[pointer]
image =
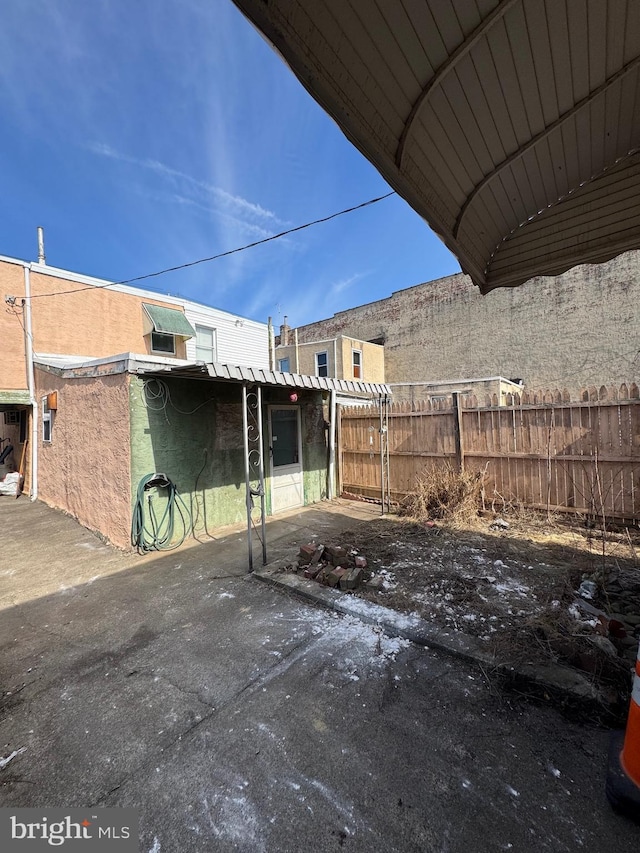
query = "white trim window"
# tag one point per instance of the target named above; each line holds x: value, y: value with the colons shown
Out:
x: 322, y: 363
x: 47, y: 421
x: 356, y: 363
x: 206, y: 348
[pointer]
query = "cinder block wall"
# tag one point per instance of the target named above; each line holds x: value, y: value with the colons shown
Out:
x: 581, y: 328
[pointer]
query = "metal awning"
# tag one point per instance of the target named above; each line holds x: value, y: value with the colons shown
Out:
x: 511, y: 126
x: 15, y: 398
x: 169, y: 321
x: 260, y: 376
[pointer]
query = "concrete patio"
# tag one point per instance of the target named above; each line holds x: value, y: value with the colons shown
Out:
x: 237, y: 718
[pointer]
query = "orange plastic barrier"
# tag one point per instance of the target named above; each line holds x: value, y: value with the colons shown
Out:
x: 623, y: 777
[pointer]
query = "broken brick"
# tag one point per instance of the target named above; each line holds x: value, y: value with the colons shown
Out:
x: 306, y: 554
x: 361, y: 562
x: 316, y: 557
x: 312, y: 571
x: 375, y: 583
x: 337, y: 555
x: 333, y: 577
x: 351, y: 579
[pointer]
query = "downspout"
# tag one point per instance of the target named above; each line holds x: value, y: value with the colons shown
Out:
x: 295, y: 339
x: 332, y: 445
x: 31, y: 384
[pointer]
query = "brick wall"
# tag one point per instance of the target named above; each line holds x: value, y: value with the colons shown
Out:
x: 581, y: 328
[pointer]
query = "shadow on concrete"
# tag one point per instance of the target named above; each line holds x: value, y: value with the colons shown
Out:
x: 235, y: 718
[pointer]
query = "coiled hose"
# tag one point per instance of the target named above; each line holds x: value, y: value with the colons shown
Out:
x: 149, y: 533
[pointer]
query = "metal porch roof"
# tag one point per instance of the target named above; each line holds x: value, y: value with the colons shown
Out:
x: 256, y: 375
x: 511, y: 126
x: 149, y: 365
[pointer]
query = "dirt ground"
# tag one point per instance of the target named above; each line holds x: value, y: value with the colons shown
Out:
x: 533, y: 589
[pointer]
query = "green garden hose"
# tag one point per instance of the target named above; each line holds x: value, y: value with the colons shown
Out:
x: 148, y: 533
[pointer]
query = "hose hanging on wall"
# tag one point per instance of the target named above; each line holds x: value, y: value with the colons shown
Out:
x: 153, y: 534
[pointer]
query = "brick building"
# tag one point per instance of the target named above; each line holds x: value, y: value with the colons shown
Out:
x: 581, y: 328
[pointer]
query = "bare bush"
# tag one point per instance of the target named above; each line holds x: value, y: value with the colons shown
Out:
x: 442, y: 493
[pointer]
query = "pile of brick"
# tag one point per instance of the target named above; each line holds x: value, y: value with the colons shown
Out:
x: 333, y: 565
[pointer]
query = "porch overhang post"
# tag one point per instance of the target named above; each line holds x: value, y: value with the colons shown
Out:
x: 385, y: 490
x: 261, y: 476
x: 253, y: 465
x: 247, y: 481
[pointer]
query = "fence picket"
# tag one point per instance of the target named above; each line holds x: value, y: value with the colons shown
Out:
x: 541, y: 448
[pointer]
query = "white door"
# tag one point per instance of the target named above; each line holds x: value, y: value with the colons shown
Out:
x: 285, y: 452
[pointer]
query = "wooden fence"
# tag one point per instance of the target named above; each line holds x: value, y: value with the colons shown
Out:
x: 539, y: 450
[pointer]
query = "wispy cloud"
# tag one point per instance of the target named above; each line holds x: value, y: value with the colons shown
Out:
x: 344, y: 284
x: 302, y: 305
x: 221, y: 198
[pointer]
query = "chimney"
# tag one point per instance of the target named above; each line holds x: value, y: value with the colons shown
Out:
x: 41, y: 256
x: 284, y: 333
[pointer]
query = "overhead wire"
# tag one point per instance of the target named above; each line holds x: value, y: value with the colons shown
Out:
x: 220, y: 254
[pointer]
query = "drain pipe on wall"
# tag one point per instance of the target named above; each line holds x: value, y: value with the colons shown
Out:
x: 31, y: 385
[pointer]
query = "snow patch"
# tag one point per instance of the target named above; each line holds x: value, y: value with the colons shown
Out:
x: 14, y: 754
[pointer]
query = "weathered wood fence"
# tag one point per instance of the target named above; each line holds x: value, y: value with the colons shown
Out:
x: 539, y: 450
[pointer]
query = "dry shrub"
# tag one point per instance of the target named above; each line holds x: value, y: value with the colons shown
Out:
x: 442, y: 493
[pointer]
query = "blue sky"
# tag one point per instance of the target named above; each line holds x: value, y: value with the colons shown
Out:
x: 147, y: 134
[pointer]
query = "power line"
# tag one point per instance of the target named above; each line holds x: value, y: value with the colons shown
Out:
x: 221, y: 254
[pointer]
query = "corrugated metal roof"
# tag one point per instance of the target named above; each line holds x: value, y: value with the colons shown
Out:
x: 150, y: 365
x: 512, y: 126
x: 255, y: 375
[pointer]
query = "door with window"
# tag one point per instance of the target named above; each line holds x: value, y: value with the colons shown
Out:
x: 285, y: 453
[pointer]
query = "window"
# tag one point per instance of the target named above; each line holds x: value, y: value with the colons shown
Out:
x: 322, y: 364
x: 164, y: 326
x: 206, y: 344
x: 356, y: 359
x: 161, y: 342
x: 47, y: 421
x: 284, y: 365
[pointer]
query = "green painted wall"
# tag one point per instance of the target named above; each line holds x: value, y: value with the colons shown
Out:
x: 193, y: 434
x: 315, y: 458
x: 192, y: 431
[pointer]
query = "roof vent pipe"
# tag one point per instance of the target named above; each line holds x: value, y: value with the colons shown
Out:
x: 41, y: 256
x: 284, y: 333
